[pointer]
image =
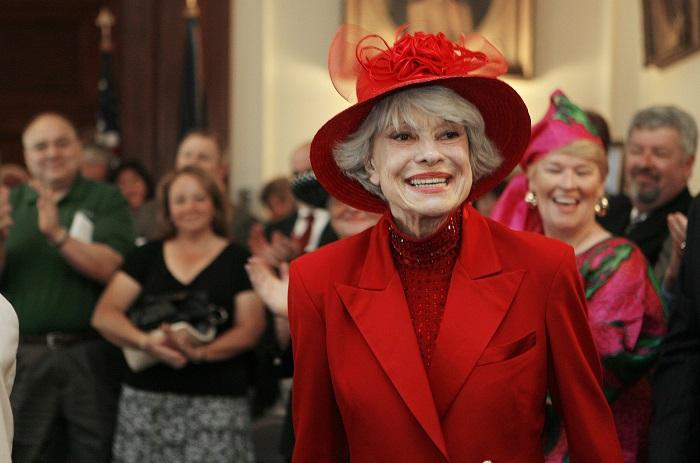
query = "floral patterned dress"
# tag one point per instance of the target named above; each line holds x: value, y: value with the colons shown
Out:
x: 628, y: 322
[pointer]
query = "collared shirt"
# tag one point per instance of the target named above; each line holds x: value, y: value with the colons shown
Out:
x: 321, y: 219
x: 636, y: 216
x: 47, y: 293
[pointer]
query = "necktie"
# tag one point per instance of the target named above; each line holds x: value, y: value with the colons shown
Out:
x: 304, y: 237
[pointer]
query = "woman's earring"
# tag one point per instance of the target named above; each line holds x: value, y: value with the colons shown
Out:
x: 531, y: 199
x: 601, y: 206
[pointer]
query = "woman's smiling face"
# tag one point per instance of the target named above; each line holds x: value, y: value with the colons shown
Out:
x: 567, y: 188
x: 422, y: 169
x: 191, y: 208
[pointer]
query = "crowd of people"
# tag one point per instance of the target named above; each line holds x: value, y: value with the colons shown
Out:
x: 415, y: 289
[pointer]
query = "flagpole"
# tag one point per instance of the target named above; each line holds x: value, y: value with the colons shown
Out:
x: 105, y: 21
x: 192, y: 9
x: 107, y: 123
x: 193, y: 112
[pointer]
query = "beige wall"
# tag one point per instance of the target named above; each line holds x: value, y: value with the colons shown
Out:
x: 591, y: 49
x: 572, y: 52
x: 281, y: 91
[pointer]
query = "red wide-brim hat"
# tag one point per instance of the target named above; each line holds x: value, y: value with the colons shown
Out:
x: 420, y: 60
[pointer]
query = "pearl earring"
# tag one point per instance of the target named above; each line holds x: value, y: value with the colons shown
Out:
x: 531, y: 199
x: 601, y: 206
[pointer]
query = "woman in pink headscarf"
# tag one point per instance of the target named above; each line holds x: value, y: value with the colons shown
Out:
x: 559, y: 195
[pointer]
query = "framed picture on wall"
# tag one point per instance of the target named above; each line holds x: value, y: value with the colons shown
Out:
x: 671, y: 30
x: 508, y: 24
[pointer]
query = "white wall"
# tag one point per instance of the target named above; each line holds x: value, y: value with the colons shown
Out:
x: 591, y: 49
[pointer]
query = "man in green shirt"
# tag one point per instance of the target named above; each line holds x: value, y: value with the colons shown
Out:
x: 61, y: 238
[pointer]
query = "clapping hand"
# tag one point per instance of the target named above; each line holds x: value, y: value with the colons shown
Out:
x: 271, y: 288
x: 47, y: 208
x: 278, y: 249
x: 259, y: 245
x: 285, y: 248
x: 677, y: 226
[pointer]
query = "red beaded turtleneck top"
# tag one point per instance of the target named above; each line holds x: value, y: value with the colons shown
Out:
x: 425, y: 267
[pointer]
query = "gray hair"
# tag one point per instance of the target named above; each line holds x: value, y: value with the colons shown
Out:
x: 353, y: 154
x: 672, y: 117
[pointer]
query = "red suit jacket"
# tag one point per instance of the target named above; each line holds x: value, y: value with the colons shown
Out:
x: 514, y: 327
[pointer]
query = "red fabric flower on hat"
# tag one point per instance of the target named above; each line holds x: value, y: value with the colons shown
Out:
x: 412, y: 58
x: 418, y: 55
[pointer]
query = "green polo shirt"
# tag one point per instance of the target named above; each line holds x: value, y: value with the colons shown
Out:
x: 47, y: 293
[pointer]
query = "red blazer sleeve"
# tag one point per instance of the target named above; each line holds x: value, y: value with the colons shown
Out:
x: 318, y: 427
x: 574, y: 371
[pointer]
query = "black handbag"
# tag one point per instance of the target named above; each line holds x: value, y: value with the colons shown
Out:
x: 192, y: 307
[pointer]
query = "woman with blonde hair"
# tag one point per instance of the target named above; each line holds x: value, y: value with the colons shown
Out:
x: 560, y: 195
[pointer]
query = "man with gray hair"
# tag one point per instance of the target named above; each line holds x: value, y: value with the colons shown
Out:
x: 660, y: 151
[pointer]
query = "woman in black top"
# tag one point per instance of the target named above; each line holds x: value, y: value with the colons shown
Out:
x: 191, y: 406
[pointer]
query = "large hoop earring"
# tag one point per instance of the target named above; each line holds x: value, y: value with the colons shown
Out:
x: 531, y: 199
x: 601, y: 206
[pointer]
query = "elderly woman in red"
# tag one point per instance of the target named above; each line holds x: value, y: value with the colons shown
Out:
x: 435, y: 335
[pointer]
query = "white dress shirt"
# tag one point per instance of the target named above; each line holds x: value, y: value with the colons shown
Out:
x: 321, y: 219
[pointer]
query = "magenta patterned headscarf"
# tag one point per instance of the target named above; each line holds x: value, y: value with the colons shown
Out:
x: 563, y: 123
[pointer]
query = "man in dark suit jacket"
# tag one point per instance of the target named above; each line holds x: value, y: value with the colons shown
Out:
x: 283, y: 240
x: 660, y: 151
x: 311, y: 201
x: 675, y: 428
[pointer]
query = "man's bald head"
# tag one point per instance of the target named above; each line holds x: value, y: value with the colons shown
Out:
x: 51, y: 117
x: 52, y: 150
x: 301, y: 158
x: 202, y: 149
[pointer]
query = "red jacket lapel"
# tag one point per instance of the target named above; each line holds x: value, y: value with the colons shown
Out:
x: 378, y: 308
x: 479, y: 297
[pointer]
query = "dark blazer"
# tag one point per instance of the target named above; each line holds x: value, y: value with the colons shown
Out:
x: 514, y: 327
x: 284, y: 361
x: 650, y: 234
x: 675, y: 428
x: 286, y: 227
